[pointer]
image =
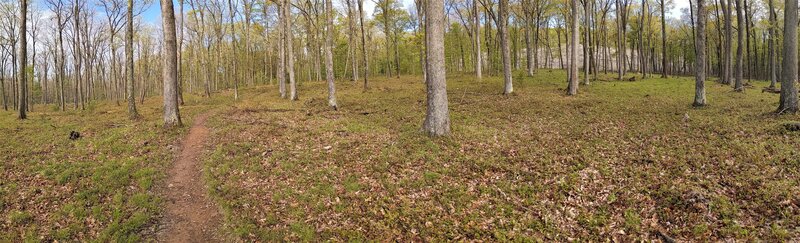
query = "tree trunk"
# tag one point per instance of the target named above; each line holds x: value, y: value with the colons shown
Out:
x: 773, y: 55
x: 132, y: 114
x: 664, y: 73
x: 509, y: 85
x: 289, y: 51
x: 329, y: 54
x: 22, y: 76
x: 788, y: 99
x: 572, y: 87
x: 363, y: 42
x: 170, y: 73
x: 437, y: 119
x: 700, y: 64
x: 477, y: 36
x: 739, y: 85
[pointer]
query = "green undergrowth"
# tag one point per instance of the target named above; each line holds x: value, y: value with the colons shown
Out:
x: 622, y: 160
x: 102, y: 187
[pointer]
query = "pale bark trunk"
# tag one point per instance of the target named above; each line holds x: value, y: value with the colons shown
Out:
x: 509, y: 85
x: 289, y: 50
x: 572, y: 88
x: 329, y: 54
x: 477, y: 36
x: 773, y: 55
x: 700, y: 63
x: 437, y: 119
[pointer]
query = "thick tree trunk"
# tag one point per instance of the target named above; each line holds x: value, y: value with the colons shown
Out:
x: 739, y: 85
x: 132, y: 114
x: 788, y: 99
x: 572, y: 87
x: 437, y: 119
x: 700, y: 63
x: 509, y: 85
x: 170, y: 73
x: 22, y: 76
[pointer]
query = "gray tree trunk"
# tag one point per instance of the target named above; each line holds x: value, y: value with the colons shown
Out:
x: 477, y: 36
x: 773, y: 55
x: 739, y: 85
x: 132, y: 114
x: 282, y: 50
x: 22, y: 76
x: 170, y: 73
x: 700, y: 63
x: 289, y: 50
x: 329, y: 53
x: 663, y: 42
x: 788, y: 99
x: 572, y: 87
x: 437, y: 119
x: 509, y: 84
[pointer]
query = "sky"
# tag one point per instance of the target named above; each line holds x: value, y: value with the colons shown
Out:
x: 153, y: 13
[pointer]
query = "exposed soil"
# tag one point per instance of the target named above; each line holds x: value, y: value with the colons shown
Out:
x: 191, y: 214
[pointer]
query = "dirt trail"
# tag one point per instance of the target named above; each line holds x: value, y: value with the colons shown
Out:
x: 191, y: 214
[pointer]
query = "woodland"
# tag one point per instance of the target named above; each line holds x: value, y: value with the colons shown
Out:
x: 389, y: 120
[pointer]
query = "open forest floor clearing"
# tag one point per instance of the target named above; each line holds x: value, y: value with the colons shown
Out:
x: 622, y: 160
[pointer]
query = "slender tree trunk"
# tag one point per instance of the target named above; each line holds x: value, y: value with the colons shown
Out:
x: 788, y: 99
x: 180, y: 53
x: 739, y: 85
x: 773, y: 55
x: 329, y: 53
x: 700, y: 64
x: 170, y: 73
x: 290, y: 51
x: 363, y: 42
x: 282, y: 32
x: 437, y: 119
x: 477, y: 36
x: 664, y: 73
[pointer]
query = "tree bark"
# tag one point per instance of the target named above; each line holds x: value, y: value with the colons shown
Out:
x: 739, y: 85
x: 572, y: 87
x: 437, y: 119
x: 788, y: 99
x: 22, y: 76
x: 509, y: 85
x: 132, y: 114
x: 664, y: 73
x: 700, y: 63
x: 329, y: 54
x: 170, y: 73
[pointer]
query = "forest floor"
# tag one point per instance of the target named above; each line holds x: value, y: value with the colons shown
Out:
x: 622, y: 160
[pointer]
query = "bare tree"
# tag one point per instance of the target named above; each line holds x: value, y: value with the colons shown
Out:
x: 773, y: 55
x: 509, y: 85
x: 738, y: 85
x: 329, y: 54
x: 788, y: 99
x: 437, y: 119
x: 132, y: 114
x: 289, y: 50
x: 700, y: 62
x: 572, y: 87
x: 663, y: 41
x: 172, y: 115
x: 23, y: 60
x: 363, y: 42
